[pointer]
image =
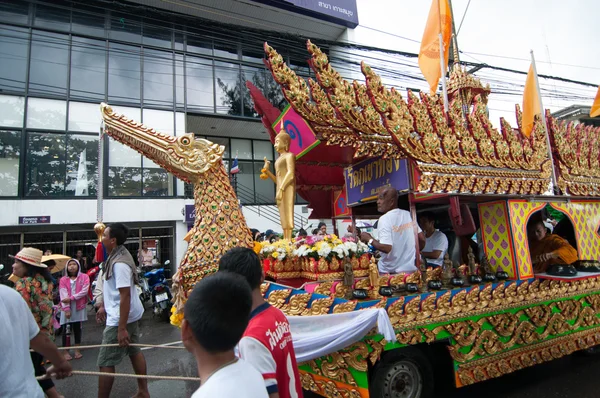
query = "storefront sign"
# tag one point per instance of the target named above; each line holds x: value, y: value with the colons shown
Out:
x: 340, y: 204
x: 365, y: 179
x: 190, y: 214
x: 303, y: 138
x: 341, y: 12
x: 34, y: 220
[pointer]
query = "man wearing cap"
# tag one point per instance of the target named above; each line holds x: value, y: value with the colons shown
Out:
x: 123, y: 311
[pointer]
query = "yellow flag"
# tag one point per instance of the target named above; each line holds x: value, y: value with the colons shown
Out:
x: 595, y: 111
x: 439, y: 21
x: 531, y: 103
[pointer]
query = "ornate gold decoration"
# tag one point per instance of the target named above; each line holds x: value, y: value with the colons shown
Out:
x: 219, y: 223
x: 577, y: 157
x: 344, y: 307
x: 458, y: 151
x: 511, y: 361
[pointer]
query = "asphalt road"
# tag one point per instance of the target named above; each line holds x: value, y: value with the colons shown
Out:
x: 572, y: 376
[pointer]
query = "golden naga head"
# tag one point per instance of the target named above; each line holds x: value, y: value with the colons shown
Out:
x: 186, y: 156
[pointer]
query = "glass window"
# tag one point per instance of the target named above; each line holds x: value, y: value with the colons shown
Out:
x: 45, y: 166
x: 161, y: 121
x: 131, y: 113
x: 124, y: 170
x: 52, y: 18
x: 46, y: 114
x: 88, y: 68
x: 124, y: 73
x: 14, y: 46
x: 273, y: 92
x: 199, y: 45
x: 180, y: 123
x: 157, y: 182
x: 125, y: 27
x: 241, y: 148
x: 12, y: 110
x: 82, y: 165
x: 10, y: 150
x: 263, y: 149
x: 264, y: 189
x: 227, y: 78
x: 158, y: 78
x: 84, y: 117
x: 178, y: 39
x: 199, y: 84
x: 245, y: 183
x: 226, y: 50
x: 89, y: 22
x: 257, y: 77
x: 179, y: 81
x: 252, y: 54
x: 49, y: 59
x: 221, y: 141
x: 14, y: 11
x: 159, y: 36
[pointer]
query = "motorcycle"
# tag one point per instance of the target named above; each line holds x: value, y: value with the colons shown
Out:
x: 161, y: 293
x: 143, y: 289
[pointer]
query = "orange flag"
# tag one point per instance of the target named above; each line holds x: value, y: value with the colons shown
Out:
x: 595, y: 111
x: 531, y: 103
x: 439, y: 21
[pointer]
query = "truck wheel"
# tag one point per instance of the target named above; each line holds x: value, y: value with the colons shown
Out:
x: 404, y: 373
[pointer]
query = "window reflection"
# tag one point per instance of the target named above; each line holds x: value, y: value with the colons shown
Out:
x: 241, y: 148
x: 226, y: 50
x: 157, y: 182
x: 52, y: 18
x: 90, y: 22
x: 45, y: 166
x: 14, y: 11
x: 245, y: 183
x: 262, y: 149
x: 14, y: 45
x: 46, y: 114
x: 158, y: 36
x: 158, y: 78
x: 179, y: 81
x: 199, y: 45
x: 84, y: 117
x: 12, y: 110
x: 10, y: 150
x: 49, y: 58
x: 228, y: 86
x: 199, y: 84
x: 257, y: 77
x: 88, y: 68
x: 124, y: 170
x: 125, y: 27
x: 82, y: 165
x: 264, y: 189
x: 124, y: 73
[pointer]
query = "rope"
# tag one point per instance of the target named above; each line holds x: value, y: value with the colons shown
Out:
x: 84, y: 347
x: 89, y: 373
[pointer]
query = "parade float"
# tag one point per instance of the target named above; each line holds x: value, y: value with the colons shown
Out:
x: 477, y: 320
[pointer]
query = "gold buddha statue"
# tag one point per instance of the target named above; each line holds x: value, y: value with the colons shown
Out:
x: 285, y: 181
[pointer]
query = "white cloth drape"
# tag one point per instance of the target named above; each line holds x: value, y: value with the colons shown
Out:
x: 315, y: 336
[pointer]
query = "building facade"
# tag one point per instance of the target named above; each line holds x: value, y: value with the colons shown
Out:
x: 160, y: 64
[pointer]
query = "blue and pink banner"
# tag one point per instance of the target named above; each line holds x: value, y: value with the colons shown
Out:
x: 303, y: 137
x: 365, y: 179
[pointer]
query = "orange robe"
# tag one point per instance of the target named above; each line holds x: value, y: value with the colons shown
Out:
x: 552, y: 243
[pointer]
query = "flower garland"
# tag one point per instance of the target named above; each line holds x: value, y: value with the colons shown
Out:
x: 328, y: 247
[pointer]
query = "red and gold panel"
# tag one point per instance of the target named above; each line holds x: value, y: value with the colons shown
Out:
x: 520, y: 211
x: 585, y: 217
x: 495, y: 232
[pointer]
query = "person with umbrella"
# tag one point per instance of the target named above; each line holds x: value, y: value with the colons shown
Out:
x: 73, y: 289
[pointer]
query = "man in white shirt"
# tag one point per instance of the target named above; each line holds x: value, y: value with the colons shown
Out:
x: 436, y: 242
x: 123, y: 310
x: 396, y: 231
x: 19, y: 331
x: 215, y: 317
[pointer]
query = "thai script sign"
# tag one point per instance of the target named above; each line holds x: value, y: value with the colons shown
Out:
x: 34, y: 220
x: 341, y: 12
x: 365, y: 179
x: 303, y: 137
x: 190, y: 214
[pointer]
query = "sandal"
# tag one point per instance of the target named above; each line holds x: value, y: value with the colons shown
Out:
x: 68, y: 356
x: 77, y: 355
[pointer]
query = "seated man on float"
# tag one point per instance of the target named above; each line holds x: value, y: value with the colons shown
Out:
x: 396, y: 235
x: 436, y: 242
x: 548, y: 249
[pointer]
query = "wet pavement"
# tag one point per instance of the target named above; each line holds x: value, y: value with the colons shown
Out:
x: 572, y: 376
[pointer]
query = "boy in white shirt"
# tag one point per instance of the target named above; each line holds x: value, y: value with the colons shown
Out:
x: 436, y: 242
x: 215, y: 317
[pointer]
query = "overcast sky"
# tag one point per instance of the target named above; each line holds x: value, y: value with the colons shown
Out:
x: 560, y: 33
